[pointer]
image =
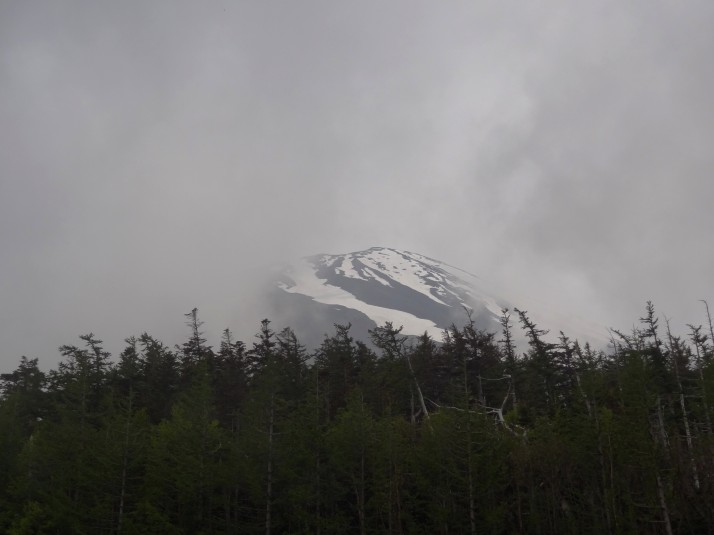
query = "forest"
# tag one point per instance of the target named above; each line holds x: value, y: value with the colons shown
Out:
x: 396, y: 434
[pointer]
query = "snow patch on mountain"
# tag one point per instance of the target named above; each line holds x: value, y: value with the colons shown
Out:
x: 417, y: 292
x: 406, y: 268
x: 304, y: 281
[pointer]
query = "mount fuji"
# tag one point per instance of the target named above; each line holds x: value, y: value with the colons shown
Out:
x: 421, y: 294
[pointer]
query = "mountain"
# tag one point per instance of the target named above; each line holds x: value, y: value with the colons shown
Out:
x: 367, y: 288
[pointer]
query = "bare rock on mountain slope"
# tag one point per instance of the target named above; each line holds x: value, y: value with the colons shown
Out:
x: 421, y: 294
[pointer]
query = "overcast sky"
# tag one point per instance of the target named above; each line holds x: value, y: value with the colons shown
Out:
x: 156, y: 156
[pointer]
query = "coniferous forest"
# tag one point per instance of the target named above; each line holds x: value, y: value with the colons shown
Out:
x: 390, y: 435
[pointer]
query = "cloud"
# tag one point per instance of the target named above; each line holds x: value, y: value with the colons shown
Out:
x: 158, y: 157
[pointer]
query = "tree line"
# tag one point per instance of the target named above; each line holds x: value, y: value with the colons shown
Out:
x: 399, y: 435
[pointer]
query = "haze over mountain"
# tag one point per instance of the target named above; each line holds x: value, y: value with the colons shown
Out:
x: 161, y: 156
x: 421, y: 294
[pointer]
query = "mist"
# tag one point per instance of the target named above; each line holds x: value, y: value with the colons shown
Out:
x: 159, y: 157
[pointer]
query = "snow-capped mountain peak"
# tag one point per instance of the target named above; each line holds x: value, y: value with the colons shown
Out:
x: 421, y: 294
x: 384, y: 284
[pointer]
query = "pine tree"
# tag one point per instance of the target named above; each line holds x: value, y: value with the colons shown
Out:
x: 541, y: 373
x: 195, y: 356
x: 159, y: 379
x: 336, y: 366
x: 351, y: 440
x: 230, y: 380
x: 185, y: 460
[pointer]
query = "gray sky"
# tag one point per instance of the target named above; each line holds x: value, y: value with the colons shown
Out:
x: 156, y: 156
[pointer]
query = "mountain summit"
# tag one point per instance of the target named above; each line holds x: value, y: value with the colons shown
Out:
x: 367, y: 288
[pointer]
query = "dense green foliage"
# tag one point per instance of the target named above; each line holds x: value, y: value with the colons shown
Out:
x: 398, y: 436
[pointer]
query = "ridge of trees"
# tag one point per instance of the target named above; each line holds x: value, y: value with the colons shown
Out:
x: 401, y: 436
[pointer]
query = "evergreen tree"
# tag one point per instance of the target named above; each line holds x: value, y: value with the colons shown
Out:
x: 185, y: 464
x: 541, y: 374
x: 417, y: 439
x: 159, y: 379
x: 230, y: 380
x: 337, y: 365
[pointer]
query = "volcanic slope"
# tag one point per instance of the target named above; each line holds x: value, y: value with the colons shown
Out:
x: 367, y: 288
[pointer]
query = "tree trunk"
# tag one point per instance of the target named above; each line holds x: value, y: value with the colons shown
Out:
x: 317, y: 460
x: 269, y: 485
x: 472, y: 507
x: 663, y: 506
x: 125, y: 462
x: 660, y: 427
x: 690, y: 447
x: 419, y: 393
x: 705, y: 401
x: 685, y: 418
x: 359, y: 491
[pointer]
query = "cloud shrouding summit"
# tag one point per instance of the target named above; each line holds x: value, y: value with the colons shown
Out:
x: 155, y: 157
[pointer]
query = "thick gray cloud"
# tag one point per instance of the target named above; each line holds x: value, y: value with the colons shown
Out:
x: 156, y: 156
